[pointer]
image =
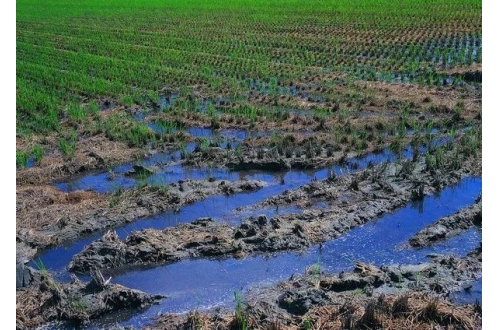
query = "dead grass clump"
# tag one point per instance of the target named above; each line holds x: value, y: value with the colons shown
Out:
x: 40, y: 207
x: 434, y: 311
x: 330, y: 317
x: 410, y: 311
x: 195, y: 321
x: 28, y: 304
x: 401, y: 307
x: 372, y: 318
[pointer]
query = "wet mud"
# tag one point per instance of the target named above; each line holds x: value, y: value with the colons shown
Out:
x: 40, y: 299
x: 368, y: 296
x: 352, y: 200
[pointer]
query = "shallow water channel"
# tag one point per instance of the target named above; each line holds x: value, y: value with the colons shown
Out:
x: 222, y: 208
x: 201, y: 284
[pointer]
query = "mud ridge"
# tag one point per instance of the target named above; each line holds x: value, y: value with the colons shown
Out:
x: 449, y: 226
x: 53, y: 226
x: 355, y: 200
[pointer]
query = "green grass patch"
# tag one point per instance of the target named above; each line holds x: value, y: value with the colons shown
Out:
x: 120, y: 128
x: 70, y: 53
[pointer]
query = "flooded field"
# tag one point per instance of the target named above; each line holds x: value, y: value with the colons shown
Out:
x: 245, y: 166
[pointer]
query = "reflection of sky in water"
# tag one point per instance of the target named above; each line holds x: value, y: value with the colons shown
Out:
x: 218, y: 207
x: 199, y: 284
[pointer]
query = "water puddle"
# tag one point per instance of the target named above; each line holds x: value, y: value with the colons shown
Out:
x: 469, y: 295
x: 30, y: 162
x: 228, y: 138
x: 163, y: 127
x: 200, y: 132
x: 164, y: 174
x: 167, y: 101
x: 100, y: 182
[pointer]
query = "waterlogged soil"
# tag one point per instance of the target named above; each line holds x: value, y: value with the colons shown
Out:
x: 394, y: 296
x: 67, y: 216
x: 41, y: 299
x: 51, y: 212
x: 352, y: 201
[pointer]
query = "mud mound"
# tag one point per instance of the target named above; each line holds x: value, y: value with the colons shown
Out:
x: 448, y: 226
x: 46, y: 300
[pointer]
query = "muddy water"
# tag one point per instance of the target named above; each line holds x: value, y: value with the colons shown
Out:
x: 201, y: 284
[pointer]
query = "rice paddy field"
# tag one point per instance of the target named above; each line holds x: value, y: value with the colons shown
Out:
x: 249, y: 164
